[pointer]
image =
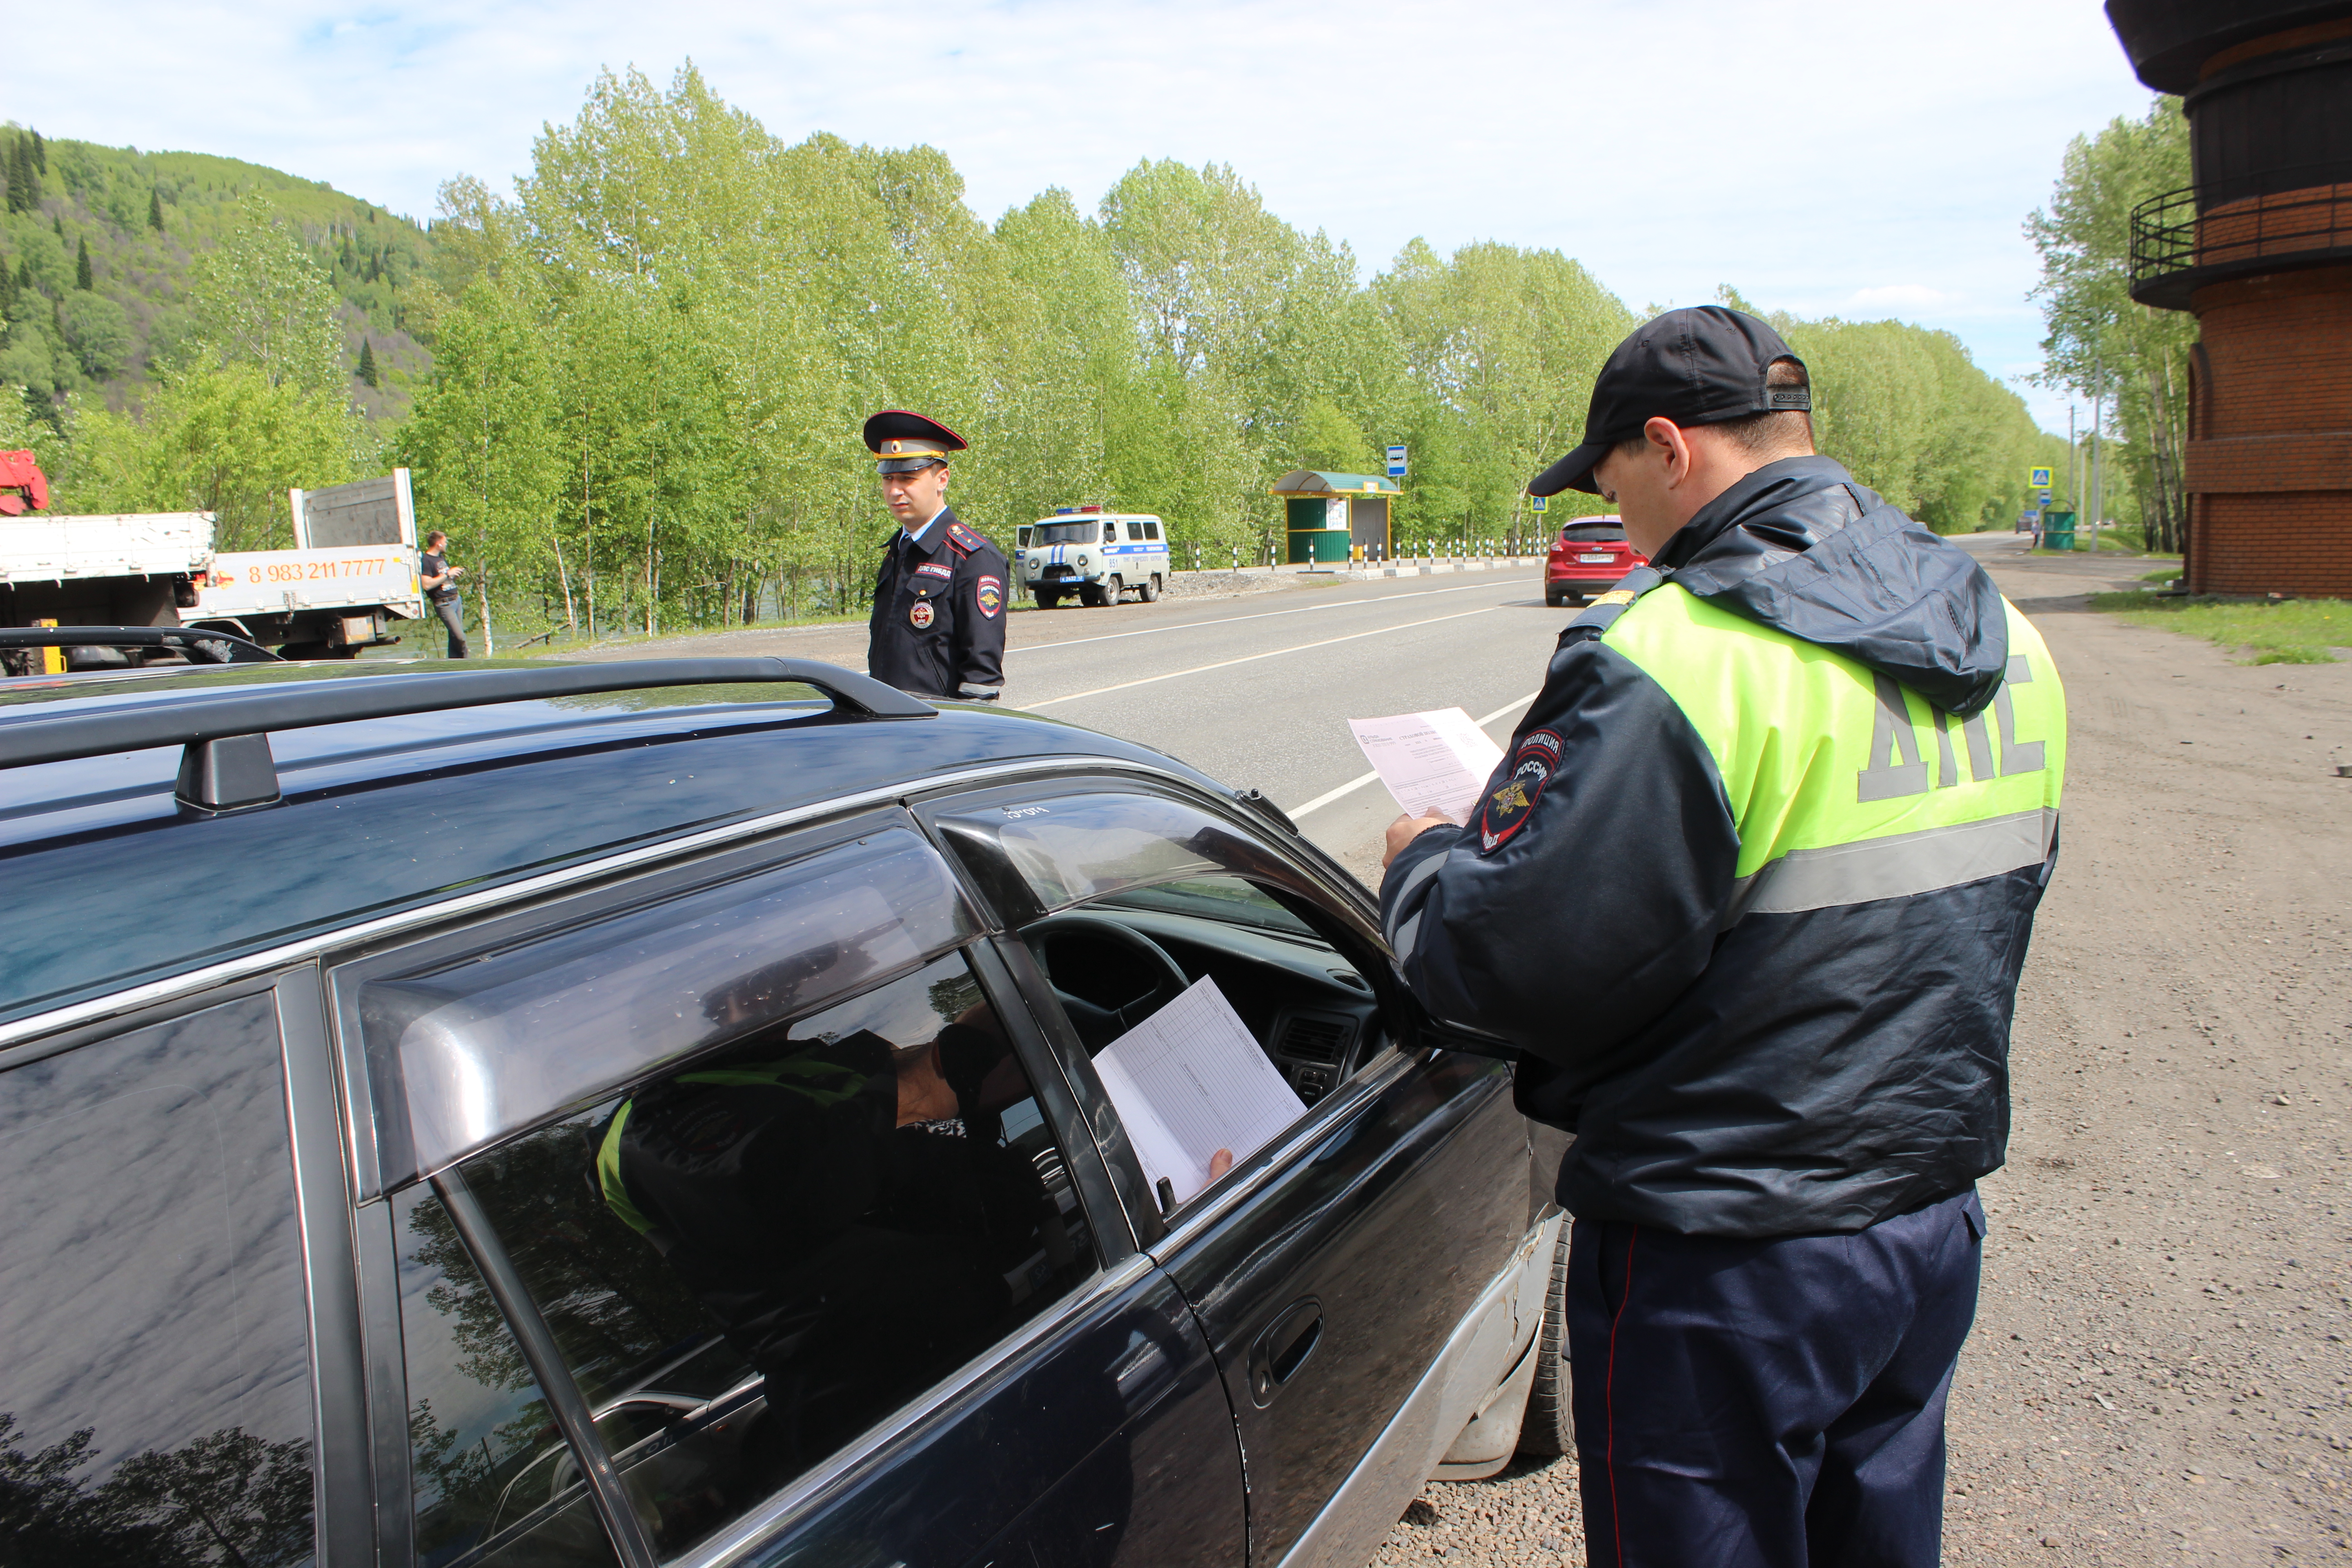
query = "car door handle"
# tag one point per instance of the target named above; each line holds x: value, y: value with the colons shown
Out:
x: 1284, y: 1348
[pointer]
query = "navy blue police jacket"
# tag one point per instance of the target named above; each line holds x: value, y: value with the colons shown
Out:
x: 1752, y: 888
x: 937, y: 626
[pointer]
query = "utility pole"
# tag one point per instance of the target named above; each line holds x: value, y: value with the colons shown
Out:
x: 2099, y: 448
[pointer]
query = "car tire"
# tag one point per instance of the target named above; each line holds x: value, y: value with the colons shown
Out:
x: 1148, y: 589
x: 1549, y: 1428
x: 1554, y: 598
x: 1112, y: 589
x: 1047, y: 598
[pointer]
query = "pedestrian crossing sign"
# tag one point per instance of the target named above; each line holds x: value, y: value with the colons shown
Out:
x: 2037, y: 480
x: 1541, y: 502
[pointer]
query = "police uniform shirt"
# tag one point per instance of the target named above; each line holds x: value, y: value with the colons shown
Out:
x: 938, y: 627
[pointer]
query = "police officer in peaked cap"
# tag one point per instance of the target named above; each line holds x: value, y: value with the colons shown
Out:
x: 938, y: 627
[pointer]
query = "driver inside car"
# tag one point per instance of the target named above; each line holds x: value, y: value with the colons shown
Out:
x: 843, y: 1207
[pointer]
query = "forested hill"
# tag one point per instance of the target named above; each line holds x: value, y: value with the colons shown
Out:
x: 141, y: 219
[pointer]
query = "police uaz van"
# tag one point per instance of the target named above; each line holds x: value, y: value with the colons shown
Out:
x: 1099, y: 556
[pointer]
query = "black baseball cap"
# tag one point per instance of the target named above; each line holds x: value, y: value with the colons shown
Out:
x: 1695, y: 366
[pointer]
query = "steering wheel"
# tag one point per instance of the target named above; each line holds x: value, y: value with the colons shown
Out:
x: 1099, y: 1023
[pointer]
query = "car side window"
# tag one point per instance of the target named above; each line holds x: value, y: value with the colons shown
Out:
x: 491, y: 1481
x: 1129, y: 901
x: 155, y: 1401
x: 749, y: 1259
x: 1307, y: 1004
x: 1110, y: 533
x: 1150, y: 530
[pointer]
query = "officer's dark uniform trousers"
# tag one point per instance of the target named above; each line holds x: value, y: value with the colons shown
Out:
x: 1831, y: 1354
x: 938, y: 627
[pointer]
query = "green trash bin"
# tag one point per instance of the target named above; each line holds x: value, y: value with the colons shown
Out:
x: 2057, y: 530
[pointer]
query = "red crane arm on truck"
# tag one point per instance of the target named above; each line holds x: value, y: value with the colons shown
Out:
x: 23, y: 487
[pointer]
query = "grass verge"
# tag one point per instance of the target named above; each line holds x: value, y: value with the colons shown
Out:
x: 2293, y: 631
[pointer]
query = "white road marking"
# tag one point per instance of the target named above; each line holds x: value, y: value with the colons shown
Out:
x: 1254, y: 658
x: 1352, y: 785
x: 1262, y: 616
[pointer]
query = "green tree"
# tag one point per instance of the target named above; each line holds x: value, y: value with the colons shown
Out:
x: 258, y: 300
x: 81, y: 266
x: 98, y: 333
x: 2102, y: 344
x: 23, y: 187
x: 227, y: 441
x: 366, y: 371
x: 481, y: 443
x: 155, y: 209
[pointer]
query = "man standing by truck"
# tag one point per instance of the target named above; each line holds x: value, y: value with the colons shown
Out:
x: 439, y: 581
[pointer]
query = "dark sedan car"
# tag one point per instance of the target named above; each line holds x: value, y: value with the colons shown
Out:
x: 1588, y: 558
x: 651, y: 1114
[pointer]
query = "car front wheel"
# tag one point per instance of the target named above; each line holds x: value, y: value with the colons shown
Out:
x: 1549, y: 1428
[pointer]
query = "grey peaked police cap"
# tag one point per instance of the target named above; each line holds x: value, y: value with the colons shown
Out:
x: 1700, y: 366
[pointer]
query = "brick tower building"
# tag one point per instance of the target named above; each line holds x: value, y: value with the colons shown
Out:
x: 2259, y: 249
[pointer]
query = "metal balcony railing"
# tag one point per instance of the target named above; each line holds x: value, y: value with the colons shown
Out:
x: 2184, y: 239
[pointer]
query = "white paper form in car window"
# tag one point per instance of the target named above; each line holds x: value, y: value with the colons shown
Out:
x: 1430, y: 761
x: 1190, y: 1080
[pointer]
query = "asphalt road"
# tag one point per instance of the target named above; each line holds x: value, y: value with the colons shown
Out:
x: 1257, y: 689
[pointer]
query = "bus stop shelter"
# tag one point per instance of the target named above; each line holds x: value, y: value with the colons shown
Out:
x: 1335, y: 517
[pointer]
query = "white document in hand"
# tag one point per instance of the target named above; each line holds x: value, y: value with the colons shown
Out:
x: 1188, y: 1081
x: 1431, y: 762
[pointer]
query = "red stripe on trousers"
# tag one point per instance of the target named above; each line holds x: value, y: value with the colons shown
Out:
x: 1608, y: 1398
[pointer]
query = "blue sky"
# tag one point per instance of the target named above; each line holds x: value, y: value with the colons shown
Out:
x: 1862, y: 160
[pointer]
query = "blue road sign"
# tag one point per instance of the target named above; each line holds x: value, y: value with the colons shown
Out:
x: 1396, y: 462
x: 1542, y: 503
x: 2037, y: 479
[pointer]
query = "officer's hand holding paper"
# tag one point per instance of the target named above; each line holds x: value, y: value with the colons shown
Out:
x: 1432, y: 763
x: 1196, y: 1093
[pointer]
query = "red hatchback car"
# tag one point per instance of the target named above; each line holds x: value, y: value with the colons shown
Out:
x: 1588, y: 558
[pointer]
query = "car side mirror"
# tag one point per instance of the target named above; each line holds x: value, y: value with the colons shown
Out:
x: 1418, y: 1027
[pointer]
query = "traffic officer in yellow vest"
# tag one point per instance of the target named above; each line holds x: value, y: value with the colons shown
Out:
x: 938, y: 627
x: 1751, y: 890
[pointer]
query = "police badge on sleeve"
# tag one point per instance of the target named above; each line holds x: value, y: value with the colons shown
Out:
x: 990, y: 595
x: 1507, y: 809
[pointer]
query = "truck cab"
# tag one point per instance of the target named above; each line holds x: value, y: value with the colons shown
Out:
x: 1098, y: 556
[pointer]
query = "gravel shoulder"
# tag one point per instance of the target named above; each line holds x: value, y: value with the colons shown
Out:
x: 2159, y: 1363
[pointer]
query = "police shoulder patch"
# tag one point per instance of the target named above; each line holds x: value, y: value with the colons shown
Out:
x: 1505, y: 810
x: 990, y: 596
x: 964, y: 538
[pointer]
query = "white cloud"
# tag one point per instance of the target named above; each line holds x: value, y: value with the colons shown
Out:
x: 1801, y: 154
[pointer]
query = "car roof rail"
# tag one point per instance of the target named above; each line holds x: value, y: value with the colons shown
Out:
x: 227, y: 764
x: 236, y: 649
